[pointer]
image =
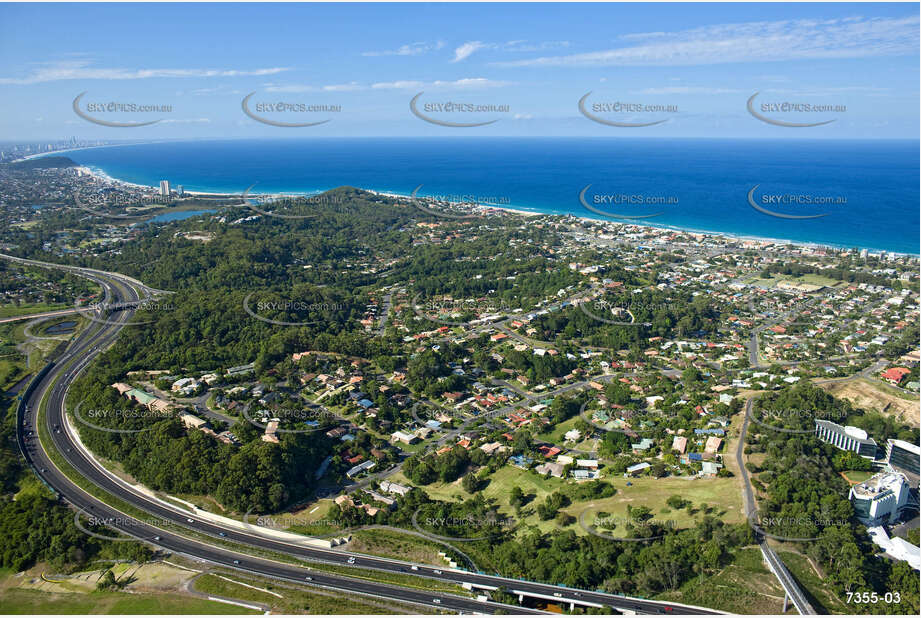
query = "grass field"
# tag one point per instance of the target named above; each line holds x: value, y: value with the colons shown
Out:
x: 722, y: 495
x: 857, y: 476
x: 36, y: 602
x: 12, y: 311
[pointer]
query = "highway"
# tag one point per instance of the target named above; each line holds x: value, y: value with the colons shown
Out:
x: 52, y: 388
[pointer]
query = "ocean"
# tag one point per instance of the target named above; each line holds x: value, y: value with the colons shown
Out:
x: 859, y: 193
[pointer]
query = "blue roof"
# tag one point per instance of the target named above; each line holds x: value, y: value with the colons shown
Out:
x: 366, y: 403
x: 433, y: 424
x: 715, y: 431
x: 694, y: 457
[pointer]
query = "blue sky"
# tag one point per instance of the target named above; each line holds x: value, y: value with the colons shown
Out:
x: 696, y: 64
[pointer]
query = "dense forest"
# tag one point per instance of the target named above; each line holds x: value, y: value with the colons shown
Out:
x: 35, y: 526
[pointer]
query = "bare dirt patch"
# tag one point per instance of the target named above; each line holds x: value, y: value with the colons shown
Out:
x: 868, y: 396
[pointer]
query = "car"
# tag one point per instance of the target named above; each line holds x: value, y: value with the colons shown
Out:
x: 414, y: 567
x: 668, y: 609
x: 436, y: 572
x: 557, y: 594
x: 190, y: 520
x: 156, y: 538
x: 308, y: 579
x: 222, y: 534
x: 436, y: 601
x: 351, y: 560
x: 629, y: 484
x: 236, y: 562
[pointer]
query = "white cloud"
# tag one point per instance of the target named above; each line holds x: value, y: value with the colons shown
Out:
x: 467, y: 49
x: 853, y: 37
x: 464, y: 51
x: 413, y: 49
x: 466, y: 83
x: 351, y: 86
x: 404, y: 84
x: 398, y: 85
x: 689, y: 90
x: 81, y: 69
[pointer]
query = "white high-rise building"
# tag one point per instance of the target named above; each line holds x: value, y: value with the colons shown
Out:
x: 879, y: 499
x: 164, y: 188
x: 846, y: 438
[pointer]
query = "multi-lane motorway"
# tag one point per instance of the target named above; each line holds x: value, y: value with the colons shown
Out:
x: 158, y: 527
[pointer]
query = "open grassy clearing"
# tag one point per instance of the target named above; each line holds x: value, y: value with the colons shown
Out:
x: 744, y: 587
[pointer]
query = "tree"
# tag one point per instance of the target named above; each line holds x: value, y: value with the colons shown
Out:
x: 470, y: 483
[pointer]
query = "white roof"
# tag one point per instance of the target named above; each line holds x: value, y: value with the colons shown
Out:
x: 908, y: 446
x: 855, y: 432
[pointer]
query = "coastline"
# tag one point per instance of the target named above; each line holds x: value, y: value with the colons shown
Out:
x: 517, y: 210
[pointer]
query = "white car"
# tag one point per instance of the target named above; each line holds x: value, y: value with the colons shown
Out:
x: 351, y: 561
x: 436, y: 600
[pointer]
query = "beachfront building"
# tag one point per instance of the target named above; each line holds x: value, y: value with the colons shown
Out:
x: 846, y: 438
